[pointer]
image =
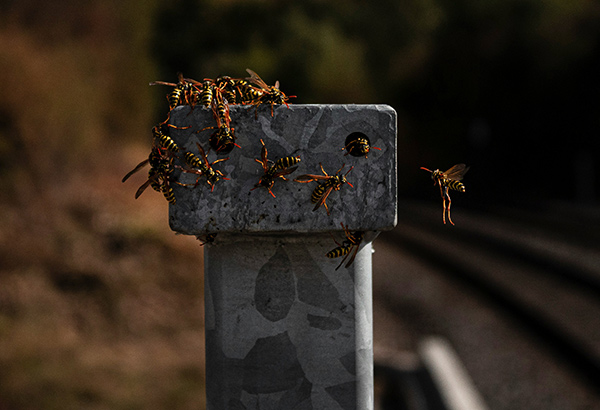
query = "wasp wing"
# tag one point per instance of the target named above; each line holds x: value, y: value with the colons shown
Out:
x: 311, y: 177
x: 145, y: 185
x: 323, y: 198
x: 257, y: 80
x: 353, y: 255
x: 284, y: 172
x: 457, y: 172
x: 162, y: 83
x: 136, y: 169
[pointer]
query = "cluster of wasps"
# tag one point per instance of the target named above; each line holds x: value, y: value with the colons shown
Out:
x: 218, y: 94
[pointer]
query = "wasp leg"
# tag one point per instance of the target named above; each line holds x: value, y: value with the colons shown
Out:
x: 449, y: 203
x: 336, y: 242
x: 444, y: 210
x: 443, y: 193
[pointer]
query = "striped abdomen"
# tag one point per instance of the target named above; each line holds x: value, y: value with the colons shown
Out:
x: 153, y: 177
x: 339, y: 251
x: 359, y: 147
x: 318, y: 192
x: 285, y: 162
x: 194, y: 161
x: 166, y: 188
x: 333, y: 182
x: 174, y: 97
x: 166, y: 142
x: 247, y: 93
x: 206, y: 95
x: 453, y: 184
x: 169, y: 194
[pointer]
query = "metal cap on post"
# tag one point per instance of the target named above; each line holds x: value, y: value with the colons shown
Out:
x: 285, y: 329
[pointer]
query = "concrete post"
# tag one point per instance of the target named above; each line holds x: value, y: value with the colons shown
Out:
x: 284, y: 328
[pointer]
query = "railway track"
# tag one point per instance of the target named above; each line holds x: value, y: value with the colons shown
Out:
x: 518, y: 297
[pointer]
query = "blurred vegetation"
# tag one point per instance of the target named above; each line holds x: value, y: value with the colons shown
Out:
x: 502, y: 85
x: 100, y: 304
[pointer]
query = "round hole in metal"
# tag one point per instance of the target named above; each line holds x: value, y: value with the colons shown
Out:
x: 357, y: 144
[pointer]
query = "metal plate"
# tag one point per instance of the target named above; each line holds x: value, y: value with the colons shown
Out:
x: 317, y: 133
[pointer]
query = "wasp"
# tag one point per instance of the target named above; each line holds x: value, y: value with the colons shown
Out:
x: 449, y: 179
x: 220, y: 108
x: 184, y: 92
x: 227, y: 87
x: 206, y: 94
x: 222, y: 140
x: 269, y: 94
x: 208, y: 238
x: 352, y: 241
x: 359, y: 147
x: 279, y: 169
x: 247, y: 94
x: 322, y: 191
x: 202, y: 167
x: 159, y: 175
x: 163, y: 140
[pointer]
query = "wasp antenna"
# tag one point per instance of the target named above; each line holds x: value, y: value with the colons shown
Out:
x: 348, y: 170
x: 426, y: 169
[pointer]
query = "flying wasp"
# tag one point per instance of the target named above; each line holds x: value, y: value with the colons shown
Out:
x: 352, y: 241
x: 322, y: 191
x: 279, y: 169
x: 358, y: 145
x: 202, y: 167
x: 270, y: 94
x: 449, y: 179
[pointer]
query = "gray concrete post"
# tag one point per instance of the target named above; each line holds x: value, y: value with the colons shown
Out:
x: 284, y: 328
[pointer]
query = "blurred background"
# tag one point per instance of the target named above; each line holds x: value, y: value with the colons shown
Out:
x: 101, y: 304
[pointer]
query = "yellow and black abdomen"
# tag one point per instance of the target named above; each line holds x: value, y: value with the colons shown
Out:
x: 285, y: 162
x: 193, y: 160
x: 337, y: 252
x: 319, y: 191
x: 167, y: 142
x: 453, y: 184
x: 175, y: 97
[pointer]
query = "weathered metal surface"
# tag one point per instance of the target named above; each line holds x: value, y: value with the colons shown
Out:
x: 284, y: 329
x: 317, y: 133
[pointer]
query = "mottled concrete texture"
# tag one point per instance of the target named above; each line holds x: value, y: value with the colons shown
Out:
x: 284, y: 328
x: 317, y: 133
